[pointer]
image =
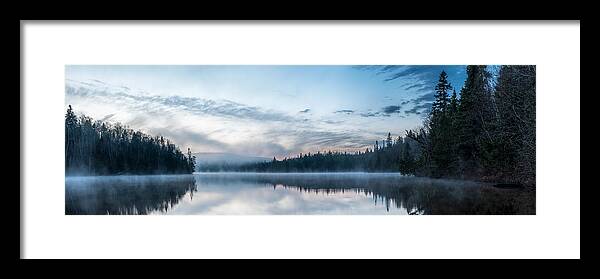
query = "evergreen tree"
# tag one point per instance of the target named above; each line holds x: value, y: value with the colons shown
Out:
x: 97, y: 148
x: 474, y: 119
x: 191, y: 160
x: 71, y: 130
x: 407, y: 164
x: 441, y: 133
x: 441, y: 94
x: 453, y: 105
x: 515, y: 99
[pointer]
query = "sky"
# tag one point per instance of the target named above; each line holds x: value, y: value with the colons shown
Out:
x: 263, y: 110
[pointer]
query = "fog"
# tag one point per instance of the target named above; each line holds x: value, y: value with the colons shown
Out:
x: 234, y: 193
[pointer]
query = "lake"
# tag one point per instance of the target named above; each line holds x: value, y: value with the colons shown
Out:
x: 289, y: 194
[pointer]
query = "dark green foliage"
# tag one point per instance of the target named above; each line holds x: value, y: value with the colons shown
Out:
x: 388, y: 156
x: 442, y: 157
x: 441, y: 95
x: 97, y: 148
x: 487, y: 134
x: 515, y: 99
x: 474, y: 121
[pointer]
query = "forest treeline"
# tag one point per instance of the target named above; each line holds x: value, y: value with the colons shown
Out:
x: 485, y: 133
x: 389, y: 155
x: 99, y: 148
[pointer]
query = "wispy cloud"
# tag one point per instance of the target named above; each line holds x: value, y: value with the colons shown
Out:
x: 423, y: 108
x: 409, y: 71
x: 412, y: 86
x: 346, y: 111
x: 198, y: 106
x: 188, y: 137
x: 322, y: 140
x: 391, y: 109
x: 333, y: 121
x: 374, y: 114
x: 107, y: 117
x: 429, y: 97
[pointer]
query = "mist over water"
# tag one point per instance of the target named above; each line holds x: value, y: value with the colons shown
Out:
x: 289, y: 193
x: 128, y: 194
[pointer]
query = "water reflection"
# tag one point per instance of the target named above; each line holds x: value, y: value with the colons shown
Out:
x: 126, y: 194
x: 413, y: 195
x: 251, y: 193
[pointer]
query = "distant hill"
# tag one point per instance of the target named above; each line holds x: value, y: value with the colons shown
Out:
x: 205, y: 160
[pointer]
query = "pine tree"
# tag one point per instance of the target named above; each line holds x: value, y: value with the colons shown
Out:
x: 441, y: 94
x: 474, y: 121
x: 453, y: 136
x: 453, y: 104
x: 407, y: 160
x: 191, y: 161
x: 71, y: 128
x: 441, y: 160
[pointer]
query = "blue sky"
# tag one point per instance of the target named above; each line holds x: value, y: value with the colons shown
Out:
x: 260, y: 110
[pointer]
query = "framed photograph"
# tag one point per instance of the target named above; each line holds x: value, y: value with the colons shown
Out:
x: 245, y: 135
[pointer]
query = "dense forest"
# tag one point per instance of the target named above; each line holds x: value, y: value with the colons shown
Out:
x: 389, y: 155
x: 98, y: 148
x: 487, y: 133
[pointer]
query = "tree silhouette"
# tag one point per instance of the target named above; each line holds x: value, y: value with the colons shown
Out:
x: 98, y: 148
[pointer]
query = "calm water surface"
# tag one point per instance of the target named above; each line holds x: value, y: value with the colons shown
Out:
x: 285, y: 193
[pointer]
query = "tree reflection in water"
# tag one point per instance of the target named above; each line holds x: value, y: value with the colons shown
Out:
x: 418, y: 196
x: 126, y: 195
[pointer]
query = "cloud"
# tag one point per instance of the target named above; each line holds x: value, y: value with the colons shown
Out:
x: 138, y: 121
x: 419, y: 109
x: 333, y: 121
x: 107, y: 117
x: 418, y: 78
x: 386, y: 111
x: 418, y: 85
x: 346, y: 111
x: 165, y: 104
x: 410, y: 71
x: 187, y: 138
x: 429, y: 97
x: 374, y: 114
x: 311, y: 139
x: 304, y: 111
x: 387, y: 69
x: 391, y: 109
